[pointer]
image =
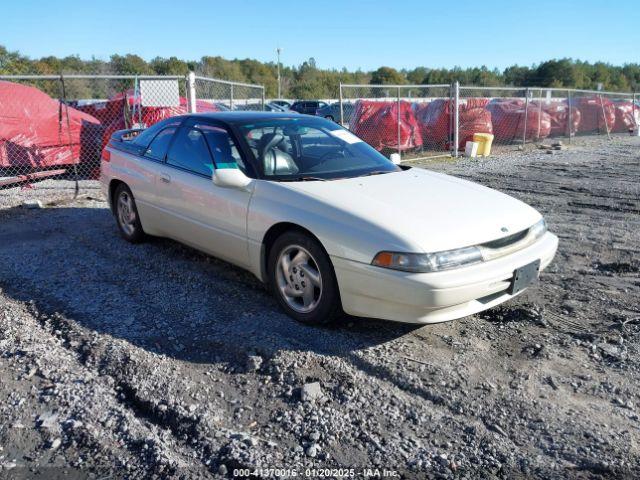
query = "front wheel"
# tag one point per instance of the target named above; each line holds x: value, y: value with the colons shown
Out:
x: 302, y: 279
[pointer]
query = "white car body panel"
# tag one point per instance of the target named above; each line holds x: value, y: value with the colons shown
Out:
x: 408, y: 211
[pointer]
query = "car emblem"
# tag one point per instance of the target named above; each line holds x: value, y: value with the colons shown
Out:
x: 504, y: 229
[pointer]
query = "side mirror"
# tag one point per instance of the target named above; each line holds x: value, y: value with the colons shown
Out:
x: 230, y: 178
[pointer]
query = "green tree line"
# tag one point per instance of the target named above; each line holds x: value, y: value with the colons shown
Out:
x: 309, y: 81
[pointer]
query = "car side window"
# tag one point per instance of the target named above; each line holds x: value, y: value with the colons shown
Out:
x: 148, y: 134
x: 224, y: 150
x: 158, y: 147
x: 190, y: 151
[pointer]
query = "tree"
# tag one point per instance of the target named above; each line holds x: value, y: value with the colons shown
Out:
x: 129, y: 65
x: 169, y: 66
x: 309, y: 81
x: 387, y: 76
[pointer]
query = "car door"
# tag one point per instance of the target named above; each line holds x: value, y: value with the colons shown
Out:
x: 311, y: 108
x: 199, y: 213
x: 143, y: 181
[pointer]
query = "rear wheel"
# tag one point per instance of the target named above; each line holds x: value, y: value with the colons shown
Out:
x: 302, y: 279
x: 127, y: 215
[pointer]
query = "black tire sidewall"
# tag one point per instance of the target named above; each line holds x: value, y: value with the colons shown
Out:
x: 330, y: 306
x: 138, y: 234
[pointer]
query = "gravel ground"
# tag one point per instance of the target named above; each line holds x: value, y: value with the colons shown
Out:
x: 156, y: 361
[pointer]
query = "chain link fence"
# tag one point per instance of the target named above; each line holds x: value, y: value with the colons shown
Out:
x: 448, y: 116
x: 219, y: 95
x: 53, y: 128
x: 402, y: 119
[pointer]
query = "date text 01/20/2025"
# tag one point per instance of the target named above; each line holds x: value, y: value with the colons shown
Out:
x: 316, y: 473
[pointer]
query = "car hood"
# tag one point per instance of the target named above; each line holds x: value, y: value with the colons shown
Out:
x: 428, y: 210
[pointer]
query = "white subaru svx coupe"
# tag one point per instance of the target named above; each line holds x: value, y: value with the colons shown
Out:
x: 330, y: 224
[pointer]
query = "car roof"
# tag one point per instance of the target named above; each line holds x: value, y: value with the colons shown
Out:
x: 242, y: 116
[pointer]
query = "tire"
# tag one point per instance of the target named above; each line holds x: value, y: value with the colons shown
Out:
x: 310, y: 272
x: 126, y: 214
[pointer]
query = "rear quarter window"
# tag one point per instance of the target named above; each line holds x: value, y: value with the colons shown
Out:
x: 158, y: 147
x: 145, y: 137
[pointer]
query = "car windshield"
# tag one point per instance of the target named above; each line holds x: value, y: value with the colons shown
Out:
x: 310, y: 148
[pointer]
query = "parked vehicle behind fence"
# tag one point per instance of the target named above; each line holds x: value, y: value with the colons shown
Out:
x: 308, y: 107
x: 283, y: 103
x: 332, y: 112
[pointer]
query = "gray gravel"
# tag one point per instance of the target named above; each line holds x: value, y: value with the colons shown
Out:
x: 157, y: 361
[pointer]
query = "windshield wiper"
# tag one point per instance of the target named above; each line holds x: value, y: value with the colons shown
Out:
x: 375, y: 172
x: 304, y: 178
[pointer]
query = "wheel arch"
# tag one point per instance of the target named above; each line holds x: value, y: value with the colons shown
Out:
x: 113, y: 185
x: 270, y: 237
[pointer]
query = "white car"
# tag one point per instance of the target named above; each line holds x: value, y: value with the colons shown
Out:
x: 330, y: 224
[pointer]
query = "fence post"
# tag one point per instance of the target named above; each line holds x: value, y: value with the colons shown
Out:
x: 191, y: 92
x: 70, y: 140
x: 262, y: 99
x: 633, y: 110
x: 341, y: 110
x: 526, y: 116
x: 604, y: 117
x: 539, y: 116
x: 456, y: 118
x: 231, y: 96
x: 399, y: 151
x: 570, y: 115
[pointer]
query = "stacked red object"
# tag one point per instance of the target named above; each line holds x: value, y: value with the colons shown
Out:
x: 124, y: 110
x: 377, y: 124
x: 39, y: 131
x: 627, y: 116
x: 474, y: 118
x: 508, y: 118
x: 597, y: 114
x: 558, y: 112
x: 435, y: 121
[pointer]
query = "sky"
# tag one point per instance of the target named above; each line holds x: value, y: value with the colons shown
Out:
x: 353, y: 34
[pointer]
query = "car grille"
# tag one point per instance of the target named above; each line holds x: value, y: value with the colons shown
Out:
x: 506, y: 245
x: 506, y: 241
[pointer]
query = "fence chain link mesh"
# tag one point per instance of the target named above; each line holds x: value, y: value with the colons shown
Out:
x: 54, y: 128
x: 216, y: 95
x: 403, y: 119
x: 514, y: 116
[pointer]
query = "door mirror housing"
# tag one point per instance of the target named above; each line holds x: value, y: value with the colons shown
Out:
x: 230, y: 178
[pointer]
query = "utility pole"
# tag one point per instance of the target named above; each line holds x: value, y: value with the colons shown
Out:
x: 278, y: 50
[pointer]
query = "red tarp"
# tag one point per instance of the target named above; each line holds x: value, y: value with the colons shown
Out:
x: 435, y: 120
x: 627, y: 117
x: 595, y: 111
x: 559, y: 117
x: 34, y: 132
x: 508, y: 118
x: 125, y: 105
x: 474, y: 118
x: 377, y: 124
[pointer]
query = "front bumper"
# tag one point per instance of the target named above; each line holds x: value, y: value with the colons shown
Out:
x: 368, y: 291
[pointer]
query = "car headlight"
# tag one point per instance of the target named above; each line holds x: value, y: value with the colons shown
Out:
x: 447, y: 259
x: 428, y: 262
x: 539, y: 229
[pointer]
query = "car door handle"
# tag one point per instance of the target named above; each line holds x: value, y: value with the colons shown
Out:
x: 165, y: 178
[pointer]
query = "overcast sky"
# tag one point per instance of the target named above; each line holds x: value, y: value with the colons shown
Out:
x: 352, y: 34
